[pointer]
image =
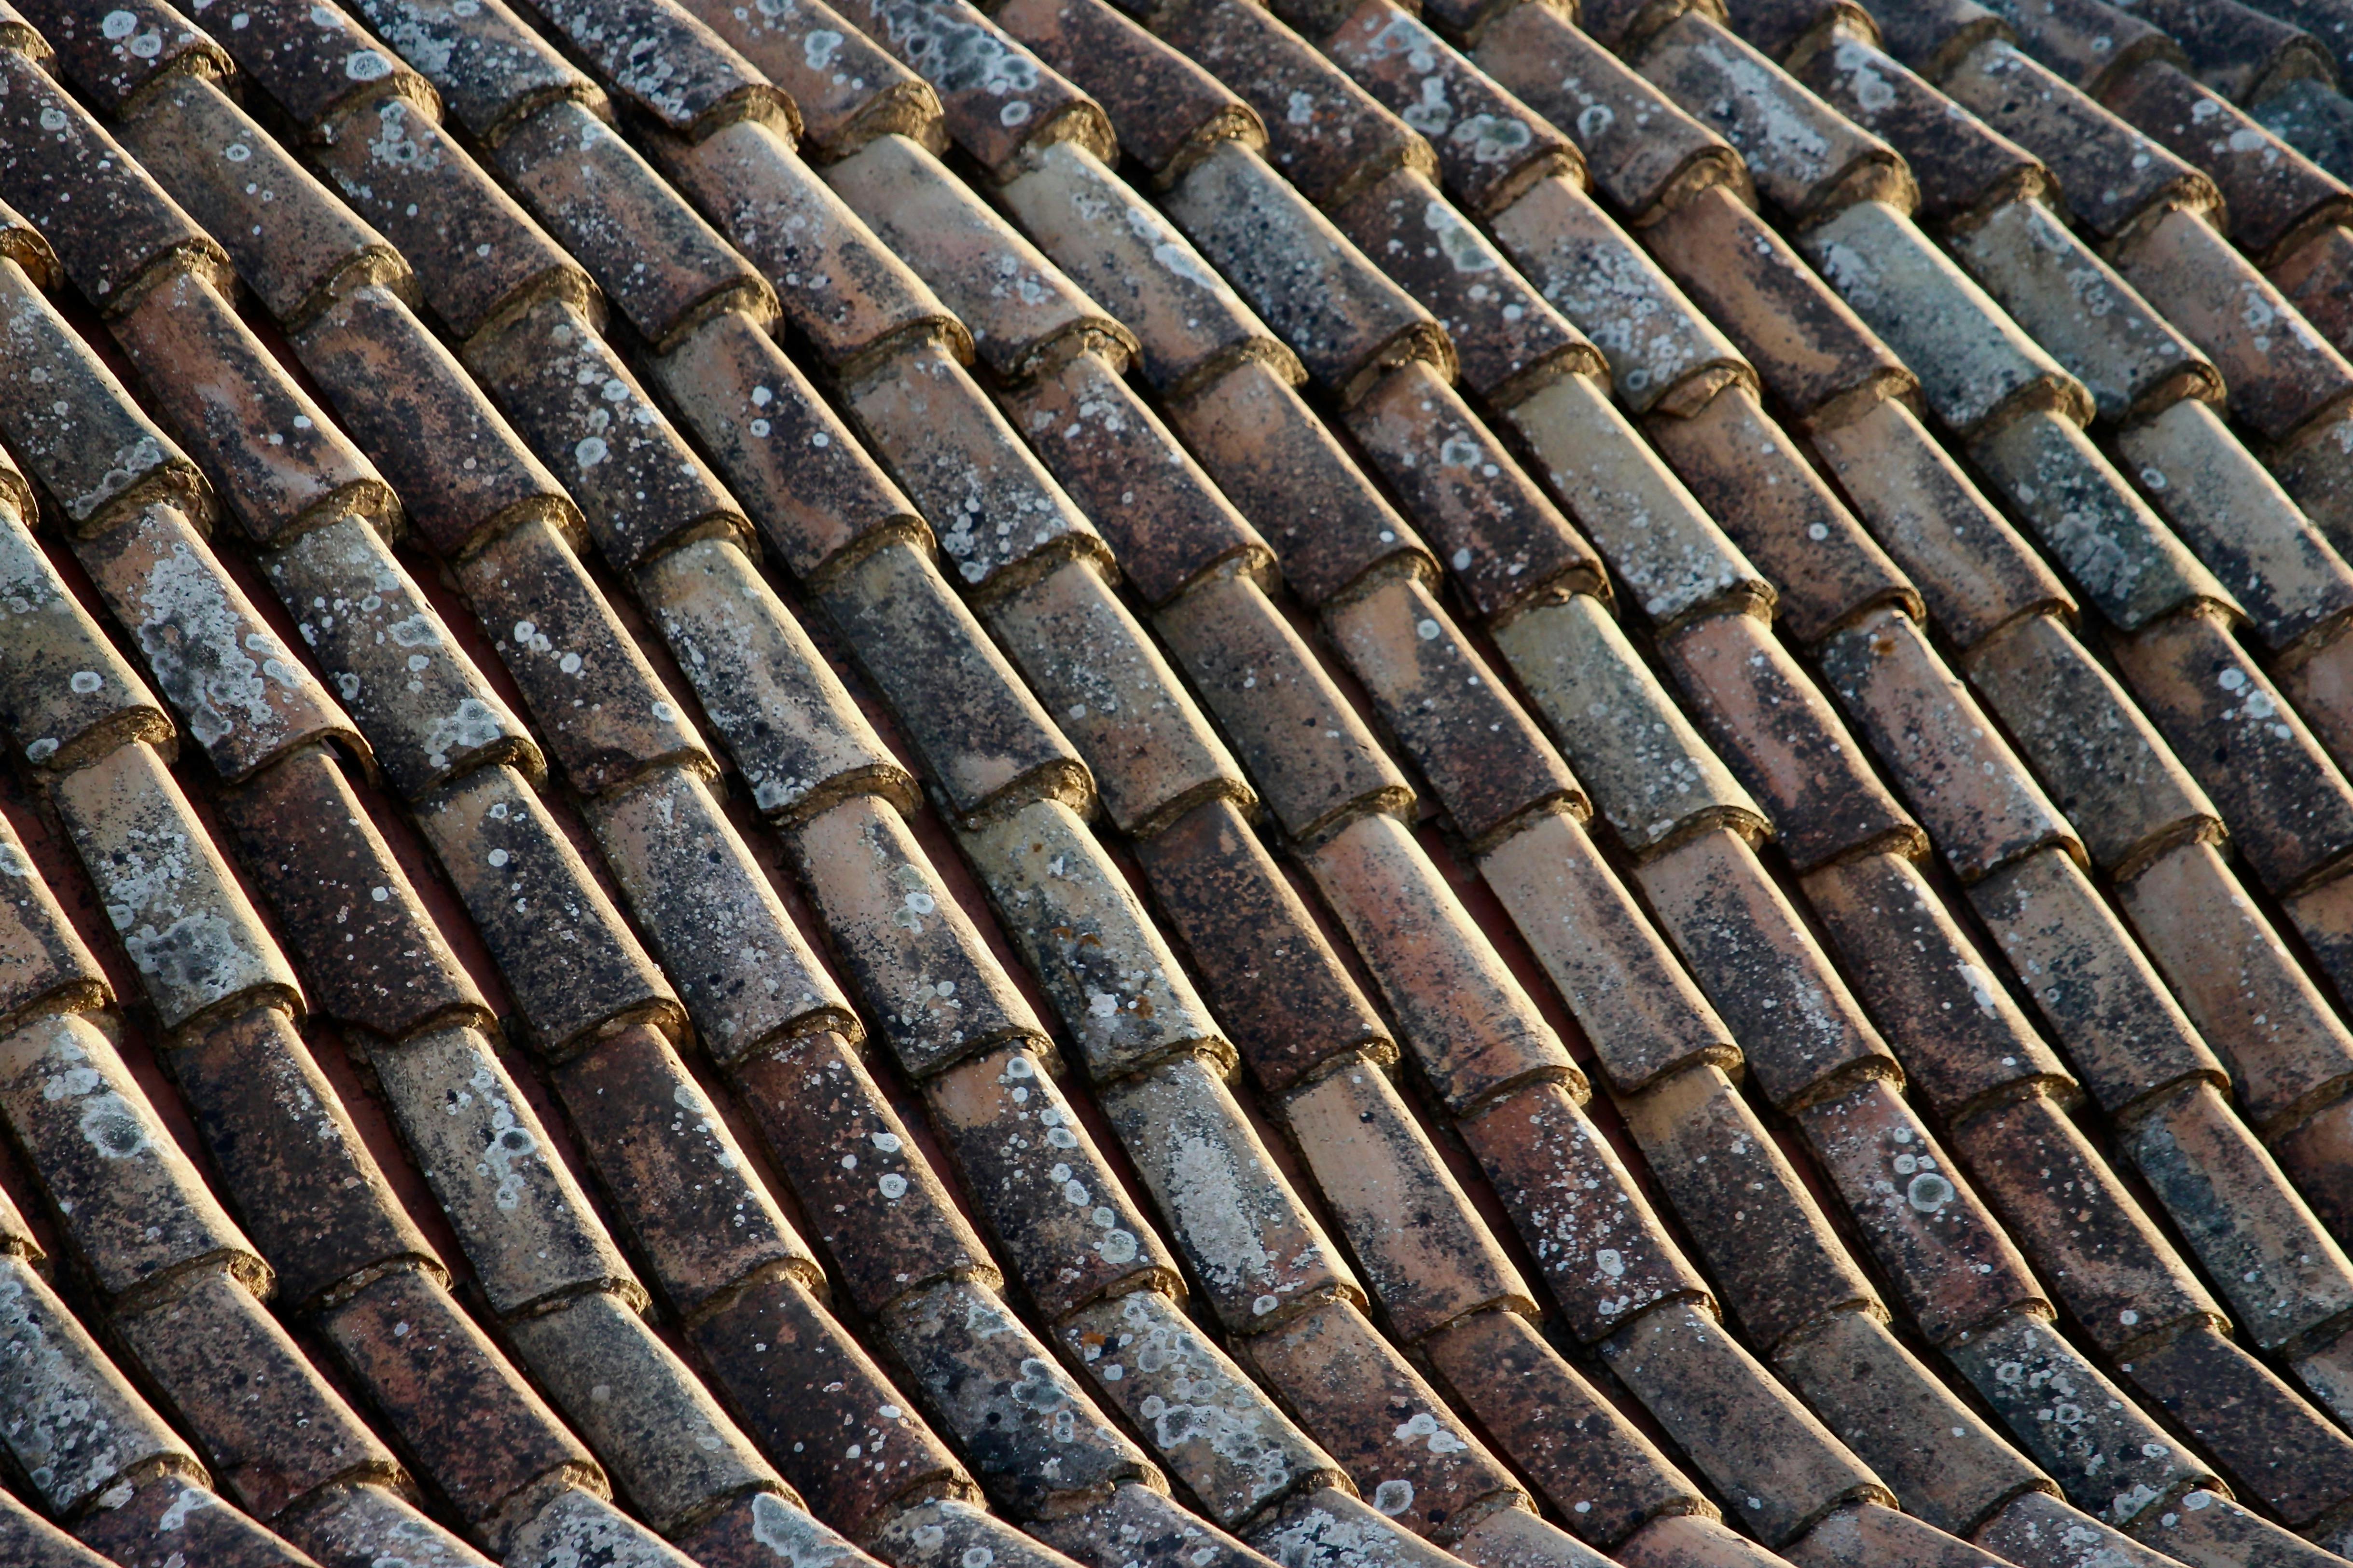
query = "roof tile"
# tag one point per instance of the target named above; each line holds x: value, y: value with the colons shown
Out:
x: 1429, y: 1256
x: 1486, y: 762
x: 521, y: 1217
x: 1490, y: 145
x: 1212, y: 1181
x: 812, y: 1395
x: 1956, y: 1465
x: 1773, y: 1254
x: 1781, y: 514
x: 1104, y: 968
x: 570, y: 961
x: 1346, y: 321
x: 1169, y: 523
x: 1972, y: 568
x: 2240, y: 521
x: 481, y: 1432
x: 110, y: 223
x: 377, y: 963
x: 814, y: 495
x: 668, y: 1162
x: 800, y: 740
x: 580, y: 1521
x: 1646, y: 155
x: 392, y: 163
x: 1508, y: 338
x: 246, y: 698
x: 1639, y: 1008
x: 2290, y: 811
x: 641, y: 486
x: 2213, y: 1376
x: 315, y: 1203
x: 850, y: 298
x: 1780, y: 734
x: 984, y: 738
x: 314, y: 59
x: 674, y: 1453
x: 930, y: 986
x: 181, y: 915
x: 2092, y: 43
x: 116, y: 57
x: 1961, y: 164
x: 1136, y: 1515
x: 1025, y: 1411
x: 2188, y: 901
x: 2093, y: 322
x: 1170, y: 113
x: 117, y: 1181
x: 659, y: 263
x: 81, y: 1425
x: 742, y: 970
x: 870, y: 1195
x: 667, y: 64
x: 1800, y: 1028
x: 488, y: 63
x: 1151, y: 751
x: 1330, y: 1362
x: 2276, y: 197
x: 1982, y: 807
x: 1472, y: 1030
x: 1807, y: 344
x: 43, y: 965
x: 359, y: 1520
x: 65, y: 695
x: 2110, y: 173
x: 1806, y: 159
x: 1594, y: 1238
x: 169, y: 1513
x: 1924, y: 980
x: 1652, y: 778
x: 431, y: 714
x: 1663, y: 352
x: 1286, y: 1001
x: 273, y: 1427
x: 1981, y: 369
x: 998, y: 99
x: 2128, y: 562
x: 2122, y: 1029
x: 290, y: 240
x: 1780, y: 1466
x: 846, y: 88
x: 281, y: 463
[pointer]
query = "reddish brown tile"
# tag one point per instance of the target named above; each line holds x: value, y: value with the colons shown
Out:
x: 2282, y: 1451
x: 313, y: 1196
x: 293, y: 242
x: 985, y: 740
x: 377, y: 963
x: 313, y: 60
x: 1593, y: 1234
x: 170, y: 1514
x: 488, y: 63
x: 846, y: 89
x: 281, y: 463
x: 997, y: 99
x: 1958, y: 1034
x: 1281, y: 992
x: 851, y: 299
x: 272, y: 1426
x: 1345, y: 319
x: 43, y: 965
x: 175, y: 904
x: 1770, y: 1249
x: 117, y: 62
x: 65, y: 695
x: 1651, y: 776
x: 1951, y: 1266
x: 1785, y: 741
x: 1485, y: 760
x: 1961, y: 165
x: 666, y: 64
x: 929, y: 985
x: 2275, y: 195
x: 1800, y: 1028
x: 1167, y: 519
x: 868, y: 1194
x: 428, y: 714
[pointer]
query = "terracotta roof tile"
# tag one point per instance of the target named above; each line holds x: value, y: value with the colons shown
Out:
x: 997, y: 99
x: 65, y: 689
x: 666, y: 63
x: 844, y: 86
x: 491, y: 64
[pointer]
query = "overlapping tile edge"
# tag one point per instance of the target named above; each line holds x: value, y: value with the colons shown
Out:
x: 1361, y: 607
